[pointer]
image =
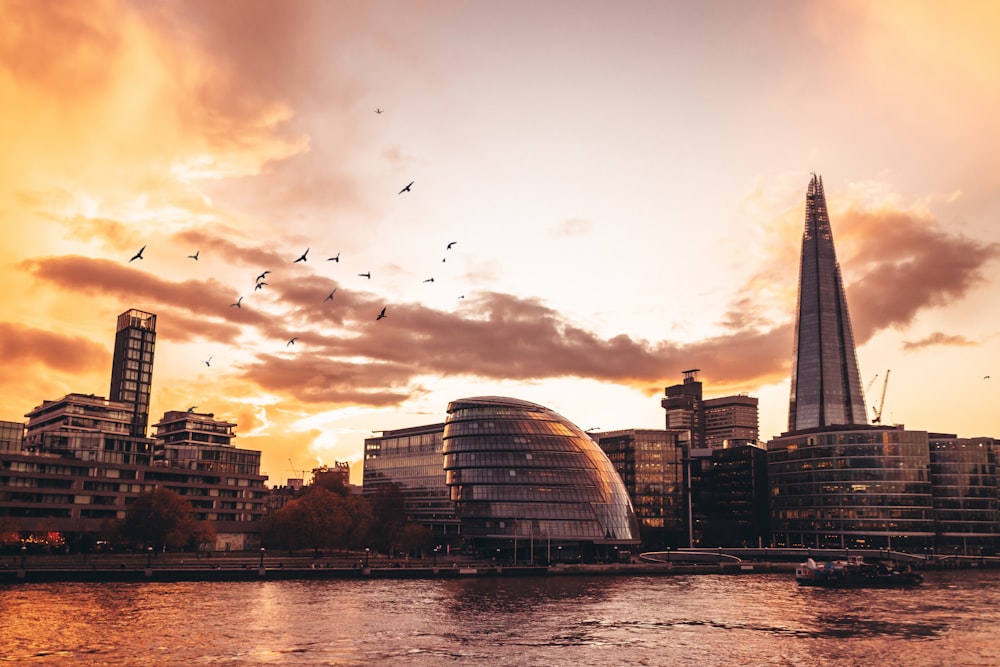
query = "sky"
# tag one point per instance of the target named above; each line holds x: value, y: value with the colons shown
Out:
x: 623, y: 185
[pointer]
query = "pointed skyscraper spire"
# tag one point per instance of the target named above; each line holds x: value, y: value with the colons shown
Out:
x: 826, y: 385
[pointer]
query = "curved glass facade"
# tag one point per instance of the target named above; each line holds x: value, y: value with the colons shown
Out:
x: 519, y: 472
x: 851, y: 488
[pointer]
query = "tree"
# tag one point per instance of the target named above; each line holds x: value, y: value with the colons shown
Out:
x: 319, y: 519
x: 388, y: 516
x: 161, y: 518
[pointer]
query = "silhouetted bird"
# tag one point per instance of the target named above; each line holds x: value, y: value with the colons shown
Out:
x: 237, y: 304
x: 986, y: 377
x: 380, y: 315
x: 334, y: 259
x: 330, y: 296
x: 366, y: 275
x: 450, y: 245
x: 192, y: 408
x: 462, y: 297
x: 258, y: 285
x: 429, y: 280
x: 208, y: 362
x: 195, y: 255
x: 292, y: 341
x: 302, y: 257
x: 262, y: 276
x: 377, y: 110
x: 138, y: 255
x: 406, y: 189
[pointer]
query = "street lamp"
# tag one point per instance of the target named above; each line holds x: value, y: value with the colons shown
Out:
x: 262, y: 550
x: 149, y: 557
x: 24, y: 555
x: 436, y: 550
x: 367, y: 552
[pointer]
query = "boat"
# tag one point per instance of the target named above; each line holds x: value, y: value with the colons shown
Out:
x: 854, y: 572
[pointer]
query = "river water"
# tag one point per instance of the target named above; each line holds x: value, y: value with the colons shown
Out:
x: 747, y: 619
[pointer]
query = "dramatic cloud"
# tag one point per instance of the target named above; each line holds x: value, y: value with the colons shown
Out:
x: 21, y: 346
x: 904, y: 264
x: 939, y: 338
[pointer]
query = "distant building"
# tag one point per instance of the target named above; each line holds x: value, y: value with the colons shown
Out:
x: 132, y: 366
x: 682, y: 404
x: 83, y: 458
x: 340, y: 471
x: 713, y: 423
x: 530, y: 486
x: 651, y: 465
x: 412, y: 459
x: 730, y: 421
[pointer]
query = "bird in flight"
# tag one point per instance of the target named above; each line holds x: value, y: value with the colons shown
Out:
x: 237, y: 304
x: 986, y: 377
x: 429, y: 280
x: 208, y: 362
x: 262, y: 276
x: 381, y: 314
x: 462, y: 297
x: 302, y: 257
x: 192, y: 408
x: 138, y: 255
x: 258, y: 285
x: 195, y: 255
x: 292, y: 341
x: 377, y: 110
x: 334, y: 259
x: 330, y: 295
x: 406, y: 189
x: 450, y: 245
x: 367, y: 275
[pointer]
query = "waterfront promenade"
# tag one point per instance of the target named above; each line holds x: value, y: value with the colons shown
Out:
x: 257, y: 566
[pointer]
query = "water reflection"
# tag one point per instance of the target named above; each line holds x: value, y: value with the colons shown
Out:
x: 705, y: 620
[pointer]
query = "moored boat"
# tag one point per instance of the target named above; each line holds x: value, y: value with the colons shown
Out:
x: 855, y: 573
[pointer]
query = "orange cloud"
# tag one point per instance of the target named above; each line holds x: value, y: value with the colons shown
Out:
x: 21, y: 346
x: 939, y: 338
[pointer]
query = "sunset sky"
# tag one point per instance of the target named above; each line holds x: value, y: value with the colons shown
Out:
x: 625, y: 183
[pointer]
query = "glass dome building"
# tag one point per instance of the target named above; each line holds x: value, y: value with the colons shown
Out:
x: 530, y: 486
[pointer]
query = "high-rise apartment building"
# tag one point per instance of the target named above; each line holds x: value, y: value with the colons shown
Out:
x: 132, y: 366
x: 826, y: 385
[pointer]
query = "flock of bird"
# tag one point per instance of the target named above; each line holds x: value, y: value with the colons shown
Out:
x: 260, y: 282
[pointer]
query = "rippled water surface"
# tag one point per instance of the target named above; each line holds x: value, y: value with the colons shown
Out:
x: 952, y: 619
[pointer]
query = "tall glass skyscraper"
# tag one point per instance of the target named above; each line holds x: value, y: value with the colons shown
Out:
x: 826, y: 385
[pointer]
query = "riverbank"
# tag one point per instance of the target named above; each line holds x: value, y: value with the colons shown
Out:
x: 230, y: 572
x: 263, y: 566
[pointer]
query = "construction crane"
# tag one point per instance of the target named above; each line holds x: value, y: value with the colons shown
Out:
x: 301, y: 474
x: 868, y: 387
x: 877, y: 419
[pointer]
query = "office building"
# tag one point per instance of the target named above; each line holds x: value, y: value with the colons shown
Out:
x: 11, y: 436
x: 528, y: 485
x: 729, y: 497
x: 730, y: 421
x: 412, y: 459
x: 651, y: 465
x: 826, y: 386
x: 963, y: 473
